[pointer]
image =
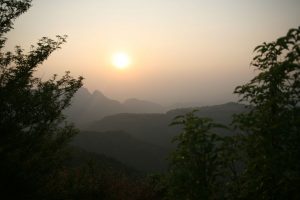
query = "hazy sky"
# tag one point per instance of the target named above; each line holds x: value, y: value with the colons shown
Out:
x: 181, y: 50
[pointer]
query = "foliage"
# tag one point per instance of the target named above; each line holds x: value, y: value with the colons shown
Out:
x: 273, y: 123
x: 10, y: 10
x: 33, y: 131
x: 262, y: 161
x: 34, y: 135
x: 195, y: 168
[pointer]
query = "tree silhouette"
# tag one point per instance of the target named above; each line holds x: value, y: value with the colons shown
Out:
x: 195, y: 165
x: 262, y: 162
x: 273, y: 123
x: 33, y: 132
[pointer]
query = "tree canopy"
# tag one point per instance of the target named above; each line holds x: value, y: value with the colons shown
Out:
x: 261, y: 159
x: 33, y: 132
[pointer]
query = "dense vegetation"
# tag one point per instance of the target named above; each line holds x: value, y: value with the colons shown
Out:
x: 35, y: 160
x: 260, y: 160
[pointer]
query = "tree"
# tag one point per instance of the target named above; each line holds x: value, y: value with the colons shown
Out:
x: 33, y: 131
x: 10, y: 10
x: 262, y: 161
x: 195, y: 167
x: 273, y: 122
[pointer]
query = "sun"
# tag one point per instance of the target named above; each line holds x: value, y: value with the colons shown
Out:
x: 120, y: 60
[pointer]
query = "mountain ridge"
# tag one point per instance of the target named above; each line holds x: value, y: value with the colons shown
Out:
x: 87, y: 107
x: 143, y: 140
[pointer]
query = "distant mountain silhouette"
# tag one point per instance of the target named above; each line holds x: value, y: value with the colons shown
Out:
x: 155, y: 129
x: 151, y: 128
x: 86, y: 107
x: 136, y: 132
x: 143, y: 141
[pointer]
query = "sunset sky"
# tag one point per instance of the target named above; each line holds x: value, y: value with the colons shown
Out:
x: 178, y: 50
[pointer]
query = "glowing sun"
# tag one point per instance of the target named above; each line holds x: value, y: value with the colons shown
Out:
x: 120, y: 60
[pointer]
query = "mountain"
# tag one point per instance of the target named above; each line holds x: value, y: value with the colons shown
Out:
x: 81, y: 98
x: 151, y: 128
x: 86, y: 107
x: 155, y: 129
x: 124, y: 148
x: 143, y: 141
x: 98, y: 107
x: 220, y: 113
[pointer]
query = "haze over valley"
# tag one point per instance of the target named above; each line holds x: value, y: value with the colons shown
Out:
x: 149, y: 100
x: 135, y: 132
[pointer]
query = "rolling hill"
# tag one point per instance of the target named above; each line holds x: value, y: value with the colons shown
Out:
x: 143, y: 141
x: 155, y: 129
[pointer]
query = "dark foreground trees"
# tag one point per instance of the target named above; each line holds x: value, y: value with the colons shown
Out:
x: 36, y: 161
x: 197, y: 148
x: 261, y: 161
x: 33, y: 133
x: 272, y: 144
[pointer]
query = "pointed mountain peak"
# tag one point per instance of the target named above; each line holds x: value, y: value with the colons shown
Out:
x: 83, y: 91
x: 98, y: 94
